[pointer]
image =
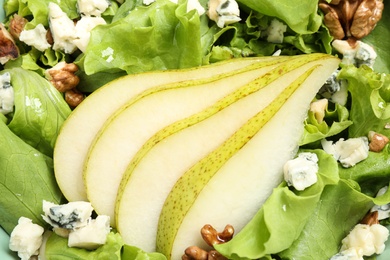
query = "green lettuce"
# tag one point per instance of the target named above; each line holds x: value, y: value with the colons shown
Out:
x: 57, y: 249
x: 26, y: 179
x: 336, y: 120
x: 282, y: 217
x: 40, y: 110
x: 370, y: 105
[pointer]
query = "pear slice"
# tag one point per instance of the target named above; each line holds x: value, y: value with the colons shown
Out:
x: 129, y: 128
x: 171, y: 151
x: 86, y: 120
x: 229, y: 184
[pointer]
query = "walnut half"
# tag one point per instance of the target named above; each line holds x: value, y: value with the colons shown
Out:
x: 8, y: 48
x: 351, y: 18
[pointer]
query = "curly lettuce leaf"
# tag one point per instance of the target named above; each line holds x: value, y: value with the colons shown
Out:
x: 57, y: 248
x: 341, y: 207
x: 370, y: 93
x: 26, y: 179
x: 335, y: 121
x: 40, y: 110
x: 300, y: 16
x: 282, y: 218
x: 134, y: 253
x: 155, y: 37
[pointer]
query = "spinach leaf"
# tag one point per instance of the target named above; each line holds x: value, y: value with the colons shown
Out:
x: 26, y: 179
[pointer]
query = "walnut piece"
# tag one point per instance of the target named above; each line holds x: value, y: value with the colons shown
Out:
x: 212, y: 237
x: 16, y: 25
x: 63, y: 77
x: 377, y: 141
x: 73, y: 97
x: 370, y: 219
x: 8, y: 48
x: 351, y: 18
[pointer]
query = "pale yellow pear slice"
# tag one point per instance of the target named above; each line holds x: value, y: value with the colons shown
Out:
x: 163, y: 159
x: 86, y: 120
x: 229, y: 185
x: 129, y: 128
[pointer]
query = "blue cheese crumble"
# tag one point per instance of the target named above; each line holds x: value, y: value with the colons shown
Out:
x: 26, y: 238
x: 301, y: 172
x: 223, y: 12
x: 69, y: 216
x: 7, y: 97
x: 348, y: 152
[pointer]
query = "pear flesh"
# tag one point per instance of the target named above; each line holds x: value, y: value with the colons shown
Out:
x: 149, y: 179
x: 129, y: 128
x: 84, y: 123
x: 229, y: 185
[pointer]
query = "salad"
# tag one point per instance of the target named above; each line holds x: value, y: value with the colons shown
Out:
x: 56, y: 53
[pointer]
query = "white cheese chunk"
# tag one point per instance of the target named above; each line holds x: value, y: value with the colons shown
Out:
x: 7, y: 97
x: 69, y: 216
x: 301, y: 172
x: 26, y: 238
x: 83, y: 30
x: 383, y: 210
x: 35, y: 37
x: 195, y: 5
x: 366, y: 239
x: 62, y: 29
x: 92, y: 7
x: 359, y: 54
x: 275, y: 31
x: 223, y: 12
x: 348, y: 152
x: 348, y: 254
x: 92, y: 235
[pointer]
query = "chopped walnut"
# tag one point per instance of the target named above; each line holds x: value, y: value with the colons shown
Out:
x: 63, y: 77
x: 16, y: 25
x: 351, y: 18
x: 370, y: 219
x: 74, y: 97
x: 8, y: 48
x: 377, y: 141
x: 211, y: 237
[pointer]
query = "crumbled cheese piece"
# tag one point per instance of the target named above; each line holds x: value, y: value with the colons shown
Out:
x: 301, y: 172
x: 223, y: 12
x: 35, y: 37
x: 335, y: 90
x: 383, y: 210
x: 349, y: 254
x: 195, y: 5
x: 92, y: 7
x: 83, y: 30
x: 69, y: 216
x: 318, y: 108
x: 26, y: 238
x: 91, y: 236
x: 62, y: 29
x: 366, y: 239
x: 275, y: 31
x: 359, y: 54
x: 7, y: 97
x: 348, y: 152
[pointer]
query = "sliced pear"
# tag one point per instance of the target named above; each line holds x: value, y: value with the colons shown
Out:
x: 170, y: 152
x: 229, y: 185
x: 130, y: 127
x: 86, y: 120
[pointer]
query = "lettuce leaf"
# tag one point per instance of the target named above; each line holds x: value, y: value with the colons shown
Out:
x: 156, y: 37
x: 282, y: 218
x: 300, y: 16
x: 370, y: 93
x: 26, y: 179
x: 341, y: 207
x: 40, y: 110
x: 57, y: 249
x: 336, y: 120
